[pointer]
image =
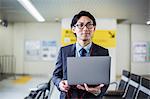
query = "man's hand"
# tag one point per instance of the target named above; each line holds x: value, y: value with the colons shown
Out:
x: 63, y: 85
x: 94, y: 90
x: 81, y: 87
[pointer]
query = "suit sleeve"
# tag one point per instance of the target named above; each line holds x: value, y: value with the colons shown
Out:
x: 107, y: 52
x: 58, y: 72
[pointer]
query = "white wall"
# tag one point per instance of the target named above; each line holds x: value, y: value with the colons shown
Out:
x: 6, y: 40
x: 140, y: 33
x: 12, y: 42
x: 125, y: 36
x: 34, y: 31
x: 123, y: 48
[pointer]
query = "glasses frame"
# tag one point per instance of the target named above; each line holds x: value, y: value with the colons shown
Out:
x: 88, y: 25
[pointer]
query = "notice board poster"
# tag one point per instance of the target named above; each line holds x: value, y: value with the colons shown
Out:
x: 48, y: 50
x: 32, y: 49
x: 36, y: 50
x: 141, y: 51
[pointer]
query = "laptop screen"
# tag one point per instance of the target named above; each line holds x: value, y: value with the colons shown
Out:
x: 91, y: 70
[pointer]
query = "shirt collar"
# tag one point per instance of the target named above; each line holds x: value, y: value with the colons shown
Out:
x: 87, y: 47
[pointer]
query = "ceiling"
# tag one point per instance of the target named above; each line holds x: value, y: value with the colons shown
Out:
x: 127, y: 11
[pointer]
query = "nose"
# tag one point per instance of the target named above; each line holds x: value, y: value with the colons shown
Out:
x: 85, y: 27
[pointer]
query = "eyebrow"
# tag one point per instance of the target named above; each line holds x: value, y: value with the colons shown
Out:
x: 86, y: 23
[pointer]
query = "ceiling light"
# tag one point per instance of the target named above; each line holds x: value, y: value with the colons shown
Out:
x: 31, y: 9
x: 148, y: 22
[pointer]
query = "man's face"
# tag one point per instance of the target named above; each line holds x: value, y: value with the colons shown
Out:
x: 84, y: 29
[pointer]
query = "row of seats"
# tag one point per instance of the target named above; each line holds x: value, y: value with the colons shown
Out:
x: 131, y: 86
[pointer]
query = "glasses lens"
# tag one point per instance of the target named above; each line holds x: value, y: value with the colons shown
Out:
x: 81, y: 25
x: 89, y: 26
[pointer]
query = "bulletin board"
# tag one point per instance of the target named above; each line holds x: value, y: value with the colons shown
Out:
x: 141, y: 51
x: 36, y: 50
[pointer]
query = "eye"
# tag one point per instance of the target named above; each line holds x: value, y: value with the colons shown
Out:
x: 80, y: 25
x: 90, y: 25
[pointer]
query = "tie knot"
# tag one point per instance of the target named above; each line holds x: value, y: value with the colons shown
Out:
x: 83, y: 52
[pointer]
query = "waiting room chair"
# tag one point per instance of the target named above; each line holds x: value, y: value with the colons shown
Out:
x: 144, y: 89
x: 132, y: 87
x: 124, y: 80
x: 122, y: 85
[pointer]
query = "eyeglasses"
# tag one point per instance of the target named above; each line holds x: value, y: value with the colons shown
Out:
x: 81, y: 25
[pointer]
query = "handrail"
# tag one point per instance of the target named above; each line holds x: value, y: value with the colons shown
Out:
x: 7, y: 66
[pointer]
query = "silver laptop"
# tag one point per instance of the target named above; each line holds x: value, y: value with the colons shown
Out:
x: 91, y: 70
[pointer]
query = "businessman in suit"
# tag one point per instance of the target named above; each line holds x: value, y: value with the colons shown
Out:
x: 83, y: 26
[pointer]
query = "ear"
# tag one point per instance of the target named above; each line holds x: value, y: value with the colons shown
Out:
x: 73, y: 29
x: 94, y: 28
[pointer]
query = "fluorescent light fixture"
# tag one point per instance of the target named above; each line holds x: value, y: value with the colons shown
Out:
x: 31, y: 9
x: 148, y: 22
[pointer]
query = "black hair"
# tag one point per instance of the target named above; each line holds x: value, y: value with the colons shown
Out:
x: 80, y: 14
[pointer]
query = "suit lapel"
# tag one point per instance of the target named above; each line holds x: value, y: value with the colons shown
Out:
x: 93, y: 50
x: 72, y: 51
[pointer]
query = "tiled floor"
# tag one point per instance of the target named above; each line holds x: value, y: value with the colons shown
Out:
x: 11, y: 90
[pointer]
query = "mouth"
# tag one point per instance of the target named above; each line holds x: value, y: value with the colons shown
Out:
x: 85, y: 34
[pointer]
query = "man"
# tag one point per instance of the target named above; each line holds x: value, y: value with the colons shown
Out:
x: 83, y: 26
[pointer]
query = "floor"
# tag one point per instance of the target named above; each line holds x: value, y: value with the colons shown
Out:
x: 11, y: 90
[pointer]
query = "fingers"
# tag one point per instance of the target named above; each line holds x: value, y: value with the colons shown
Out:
x: 96, y: 89
x: 86, y: 87
x: 63, y: 85
x: 80, y: 87
x: 101, y: 85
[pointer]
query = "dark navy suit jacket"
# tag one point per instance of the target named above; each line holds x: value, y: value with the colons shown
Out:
x: 60, y: 72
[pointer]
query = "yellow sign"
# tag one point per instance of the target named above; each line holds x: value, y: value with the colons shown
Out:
x: 105, y: 38
x: 67, y: 37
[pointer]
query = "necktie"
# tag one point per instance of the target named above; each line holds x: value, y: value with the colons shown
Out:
x: 82, y: 52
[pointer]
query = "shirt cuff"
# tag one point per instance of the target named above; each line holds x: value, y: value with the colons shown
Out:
x: 97, y: 93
